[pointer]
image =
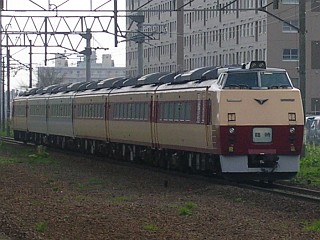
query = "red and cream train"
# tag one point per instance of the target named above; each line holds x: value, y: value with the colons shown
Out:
x: 242, y: 122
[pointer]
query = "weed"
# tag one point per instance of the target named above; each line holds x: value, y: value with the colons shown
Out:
x: 41, y: 152
x: 239, y: 200
x: 186, y: 209
x: 150, y: 227
x: 56, y: 189
x: 95, y: 181
x: 312, y: 227
x: 7, y: 160
x: 120, y: 199
x: 310, y: 166
x: 42, y: 227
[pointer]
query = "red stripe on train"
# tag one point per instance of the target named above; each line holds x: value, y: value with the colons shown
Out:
x: 241, y: 142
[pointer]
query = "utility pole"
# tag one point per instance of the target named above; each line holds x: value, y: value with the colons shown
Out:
x: 30, y: 67
x: 87, y: 52
x: 115, y: 7
x: 139, y: 38
x: 302, y: 51
x: 140, y: 49
x: 180, y: 38
x: 2, y: 94
x: 1, y: 75
x: 8, y: 91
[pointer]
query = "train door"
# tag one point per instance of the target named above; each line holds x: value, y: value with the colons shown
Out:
x: 106, y: 117
x: 153, y: 121
x: 207, y: 117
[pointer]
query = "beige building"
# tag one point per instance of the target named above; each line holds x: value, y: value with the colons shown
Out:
x: 99, y: 70
x: 233, y: 35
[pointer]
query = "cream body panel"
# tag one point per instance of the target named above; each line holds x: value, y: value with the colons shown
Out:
x: 61, y: 126
x: 131, y: 131
x: 91, y: 128
x: 184, y: 134
x: 274, y: 111
x: 20, y: 122
x: 37, y: 123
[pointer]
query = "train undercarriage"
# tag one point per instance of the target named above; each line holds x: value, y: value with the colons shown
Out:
x: 258, y: 167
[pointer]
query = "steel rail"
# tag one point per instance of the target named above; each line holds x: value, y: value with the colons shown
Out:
x: 294, y: 192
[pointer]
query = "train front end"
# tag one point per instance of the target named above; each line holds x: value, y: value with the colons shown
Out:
x: 261, y: 124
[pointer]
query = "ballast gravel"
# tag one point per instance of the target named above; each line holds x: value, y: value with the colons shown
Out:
x: 71, y: 197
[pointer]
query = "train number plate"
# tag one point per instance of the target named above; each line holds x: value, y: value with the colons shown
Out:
x: 262, y: 135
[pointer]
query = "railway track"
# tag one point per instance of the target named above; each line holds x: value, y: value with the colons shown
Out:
x: 10, y: 140
x: 294, y: 192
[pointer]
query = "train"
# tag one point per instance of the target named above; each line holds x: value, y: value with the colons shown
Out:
x: 241, y: 122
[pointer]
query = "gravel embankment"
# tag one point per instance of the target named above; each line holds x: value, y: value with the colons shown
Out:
x: 80, y: 198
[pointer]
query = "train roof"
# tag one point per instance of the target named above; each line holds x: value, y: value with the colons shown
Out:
x: 195, y: 74
x: 192, y: 78
x: 109, y: 82
x: 152, y: 78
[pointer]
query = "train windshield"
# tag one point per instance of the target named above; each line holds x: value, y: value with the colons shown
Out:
x: 242, y: 80
x: 255, y: 80
x: 275, y: 80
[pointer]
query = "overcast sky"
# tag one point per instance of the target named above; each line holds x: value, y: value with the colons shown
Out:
x: 33, y: 8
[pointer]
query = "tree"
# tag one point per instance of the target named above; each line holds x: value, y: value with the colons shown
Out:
x: 49, y: 76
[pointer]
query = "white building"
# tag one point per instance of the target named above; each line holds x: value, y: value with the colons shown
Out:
x: 99, y: 71
x: 225, y: 32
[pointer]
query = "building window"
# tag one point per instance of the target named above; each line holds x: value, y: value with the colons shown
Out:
x: 290, y: 1
x: 290, y: 54
x: 315, y: 50
x: 289, y: 29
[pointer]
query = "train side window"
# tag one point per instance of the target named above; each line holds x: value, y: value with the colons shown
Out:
x: 125, y: 110
x: 89, y: 110
x: 96, y: 113
x: 115, y: 110
x: 133, y: 109
x: 146, y: 111
x: 137, y: 110
x: 160, y: 111
x: 166, y: 111
x: 176, y: 111
x: 203, y: 104
x: 188, y: 111
x: 121, y: 110
x: 182, y: 111
x: 86, y: 111
x: 81, y: 110
x: 171, y: 111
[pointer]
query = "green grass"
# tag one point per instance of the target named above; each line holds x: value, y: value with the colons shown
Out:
x: 187, y: 209
x: 120, y: 199
x: 42, y: 227
x: 150, y: 227
x: 310, y: 166
x: 91, y: 183
x: 10, y: 155
x: 312, y: 227
x: 4, y: 133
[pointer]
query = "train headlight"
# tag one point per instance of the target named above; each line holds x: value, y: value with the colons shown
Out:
x: 231, y: 130
x: 292, y: 117
x: 292, y: 130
